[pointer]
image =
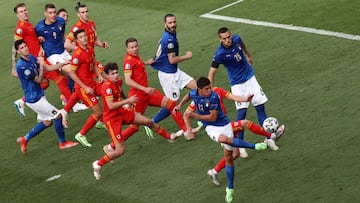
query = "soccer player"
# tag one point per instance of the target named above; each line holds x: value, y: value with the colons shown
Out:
x: 115, y: 114
x: 171, y: 78
x: 24, y: 30
x: 236, y: 58
x: 81, y: 70
x: 62, y: 12
x: 217, y: 125
x: 30, y: 71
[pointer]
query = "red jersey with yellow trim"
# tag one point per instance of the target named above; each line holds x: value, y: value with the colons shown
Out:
x: 136, y: 66
x: 83, y: 63
x: 89, y: 28
x: 110, y: 91
x: 26, y: 31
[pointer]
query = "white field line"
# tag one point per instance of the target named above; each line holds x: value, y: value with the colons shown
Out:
x: 210, y: 15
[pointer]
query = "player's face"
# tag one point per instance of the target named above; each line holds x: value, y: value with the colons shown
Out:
x: 83, y: 14
x: 132, y: 48
x: 64, y: 15
x: 22, y: 13
x: 50, y: 15
x: 225, y: 39
x: 170, y: 24
x: 82, y: 39
x: 23, y: 50
x: 205, y: 91
x: 113, y: 75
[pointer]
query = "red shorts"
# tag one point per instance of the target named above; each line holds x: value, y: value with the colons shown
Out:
x: 114, y: 125
x: 89, y: 100
x: 145, y: 100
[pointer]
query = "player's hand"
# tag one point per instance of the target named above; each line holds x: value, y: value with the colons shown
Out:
x: 188, y: 114
x: 41, y: 39
x: 105, y: 45
x: 150, y: 90
x: 89, y: 90
x: 249, y: 59
x: 132, y: 99
x: 188, y: 54
x: 14, y: 73
x: 176, y: 109
x: 149, y: 62
x: 249, y: 97
x: 100, y: 79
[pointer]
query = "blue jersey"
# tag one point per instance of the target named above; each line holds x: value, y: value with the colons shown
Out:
x: 205, y: 104
x: 54, y: 36
x: 27, y: 71
x: 234, y: 60
x: 168, y: 44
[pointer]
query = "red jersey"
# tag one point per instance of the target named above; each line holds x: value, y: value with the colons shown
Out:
x: 26, y: 31
x: 135, y: 66
x: 83, y: 63
x: 89, y: 28
x: 110, y: 91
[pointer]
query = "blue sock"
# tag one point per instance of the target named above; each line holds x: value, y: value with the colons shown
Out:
x: 260, y: 110
x: 35, y: 131
x: 59, y: 128
x: 241, y: 114
x: 71, y: 84
x: 239, y: 143
x: 161, y: 115
x: 230, y: 176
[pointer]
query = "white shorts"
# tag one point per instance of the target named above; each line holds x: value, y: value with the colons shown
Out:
x: 45, y: 111
x: 215, y: 131
x: 247, y: 88
x: 171, y: 83
x: 59, y: 58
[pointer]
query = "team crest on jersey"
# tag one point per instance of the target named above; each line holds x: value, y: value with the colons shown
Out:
x: 127, y: 66
x: 207, y: 103
x: 60, y: 28
x: 27, y: 72
x: 75, y: 61
x: 170, y: 46
x: 108, y: 91
x: 19, y: 31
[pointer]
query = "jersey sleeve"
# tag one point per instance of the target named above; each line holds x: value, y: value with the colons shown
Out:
x: 170, y: 45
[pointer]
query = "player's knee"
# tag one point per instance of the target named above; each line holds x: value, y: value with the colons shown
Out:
x: 47, y: 123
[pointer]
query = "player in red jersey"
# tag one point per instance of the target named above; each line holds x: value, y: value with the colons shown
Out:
x: 115, y: 114
x: 81, y: 69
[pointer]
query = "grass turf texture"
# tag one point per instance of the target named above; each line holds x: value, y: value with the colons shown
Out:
x: 311, y: 81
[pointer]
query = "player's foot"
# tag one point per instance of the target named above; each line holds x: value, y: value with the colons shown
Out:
x: 67, y: 144
x: 229, y: 195
x: 96, y: 168
x: 243, y: 153
x: 271, y: 143
x: 23, y: 144
x: 100, y: 125
x: 189, y: 136
x: 63, y: 99
x: 20, y: 107
x: 213, y: 176
x: 279, y: 132
x: 79, y: 107
x: 260, y: 146
x: 173, y: 137
x: 149, y: 132
x: 82, y: 139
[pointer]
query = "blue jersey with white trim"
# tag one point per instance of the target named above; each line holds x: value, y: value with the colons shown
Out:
x: 53, y: 34
x: 234, y: 60
x: 205, y: 104
x: 167, y: 44
x: 27, y: 71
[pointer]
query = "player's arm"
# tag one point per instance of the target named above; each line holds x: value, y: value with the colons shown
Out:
x: 209, y: 117
x: 13, y: 61
x: 40, y: 77
x: 100, y: 43
x: 238, y: 98
x: 185, y: 99
x: 173, y: 59
x: 69, y: 45
x: 58, y: 66
x: 247, y: 53
x: 114, y: 105
x: 132, y: 83
x: 212, y: 71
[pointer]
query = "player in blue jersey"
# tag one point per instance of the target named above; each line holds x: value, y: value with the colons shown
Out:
x: 217, y: 125
x: 166, y: 60
x: 236, y: 58
x: 30, y: 72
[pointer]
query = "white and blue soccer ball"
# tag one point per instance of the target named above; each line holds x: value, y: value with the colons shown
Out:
x: 271, y: 124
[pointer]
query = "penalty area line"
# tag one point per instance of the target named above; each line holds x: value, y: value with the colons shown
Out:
x: 281, y: 26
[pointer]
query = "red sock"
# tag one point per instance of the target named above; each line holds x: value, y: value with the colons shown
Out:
x: 71, y: 102
x: 162, y: 132
x: 128, y: 132
x: 255, y: 128
x: 220, y: 165
x: 90, y: 122
x: 104, y: 160
x: 178, y: 118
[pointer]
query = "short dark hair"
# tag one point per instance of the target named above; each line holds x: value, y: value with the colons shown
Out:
x: 18, y: 6
x: 61, y: 10
x: 79, y: 5
x: 222, y: 30
x: 202, y: 82
x: 17, y: 43
x: 110, y: 66
x: 47, y: 6
x: 130, y: 39
x: 77, y: 32
x: 168, y: 15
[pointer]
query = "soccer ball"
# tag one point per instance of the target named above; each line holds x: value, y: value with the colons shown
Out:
x: 270, y: 124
